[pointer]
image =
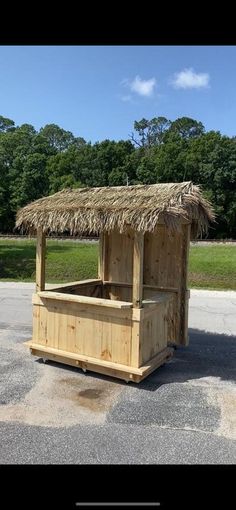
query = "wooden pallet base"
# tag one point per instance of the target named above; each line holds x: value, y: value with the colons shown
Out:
x: 124, y: 372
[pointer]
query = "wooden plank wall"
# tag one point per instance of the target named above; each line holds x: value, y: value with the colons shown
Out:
x: 165, y: 259
x: 94, y: 290
x: 154, y: 332
x: 84, y: 329
x: 162, y: 258
x: 120, y: 257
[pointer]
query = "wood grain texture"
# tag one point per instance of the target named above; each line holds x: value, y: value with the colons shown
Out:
x: 104, y: 367
x: 184, y: 293
x: 59, y: 296
x: 120, y: 257
x: 138, y: 270
x: 40, y: 260
x: 87, y: 330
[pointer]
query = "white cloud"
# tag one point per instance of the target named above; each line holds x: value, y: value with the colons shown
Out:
x: 142, y: 87
x: 188, y: 79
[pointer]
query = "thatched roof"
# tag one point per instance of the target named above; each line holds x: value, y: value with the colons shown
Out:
x: 141, y: 207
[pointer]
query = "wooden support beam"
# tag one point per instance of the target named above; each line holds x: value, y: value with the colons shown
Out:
x: 138, y: 270
x: 87, y: 300
x: 40, y: 260
x: 102, y: 261
x: 128, y: 373
x: 184, y: 293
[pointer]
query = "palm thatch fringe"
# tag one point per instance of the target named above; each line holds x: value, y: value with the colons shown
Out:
x: 95, y: 210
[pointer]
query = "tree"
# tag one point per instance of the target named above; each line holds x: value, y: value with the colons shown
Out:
x: 31, y: 183
x: 34, y: 164
x: 187, y: 127
x: 6, y: 124
x: 57, y: 137
x: 151, y: 132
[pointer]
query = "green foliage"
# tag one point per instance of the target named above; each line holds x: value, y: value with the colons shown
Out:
x: 34, y: 164
x: 6, y: 124
x: 58, y: 138
x: 151, y: 132
x: 187, y: 128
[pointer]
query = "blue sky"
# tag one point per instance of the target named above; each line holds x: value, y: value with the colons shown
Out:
x: 97, y: 92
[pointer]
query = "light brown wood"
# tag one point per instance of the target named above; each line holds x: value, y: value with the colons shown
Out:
x: 87, y: 330
x: 105, y: 367
x: 103, y: 256
x: 59, y: 296
x: 138, y: 270
x: 124, y: 318
x: 40, y: 260
x: 136, y: 343
x: 79, y: 284
x: 128, y: 285
x: 154, y: 337
x: 120, y: 257
x: 184, y: 294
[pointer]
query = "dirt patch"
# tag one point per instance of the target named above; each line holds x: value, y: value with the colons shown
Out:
x: 223, y: 395
x: 62, y: 398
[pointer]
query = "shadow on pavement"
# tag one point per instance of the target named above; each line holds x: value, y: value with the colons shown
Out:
x: 208, y: 355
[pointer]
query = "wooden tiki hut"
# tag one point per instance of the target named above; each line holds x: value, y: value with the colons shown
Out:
x: 124, y: 322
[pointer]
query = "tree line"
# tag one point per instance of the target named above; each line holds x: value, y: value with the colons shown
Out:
x: 38, y: 163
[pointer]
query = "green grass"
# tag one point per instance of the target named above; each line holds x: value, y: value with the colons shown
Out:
x: 210, y: 267
x: 65, y: 261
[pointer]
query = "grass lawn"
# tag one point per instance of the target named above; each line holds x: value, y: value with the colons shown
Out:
x: 210, y: 267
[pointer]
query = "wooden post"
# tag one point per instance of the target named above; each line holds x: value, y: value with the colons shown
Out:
x: 103, y: 257
x: 40, y: 260
x: 138, y: 270
x: 184, y: 293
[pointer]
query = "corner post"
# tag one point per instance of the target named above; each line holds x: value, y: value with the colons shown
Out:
x: 40, y: 260
x: 103, y: 254
x: 138, y: 269
x: 184, y: 292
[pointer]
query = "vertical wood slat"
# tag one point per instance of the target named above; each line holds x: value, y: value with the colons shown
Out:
x: 184, y: 295
x: 40, y: 260
x: 138, y: 270
x: 102, y: 261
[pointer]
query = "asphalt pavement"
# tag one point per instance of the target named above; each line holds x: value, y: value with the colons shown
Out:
x: 183, y: 413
